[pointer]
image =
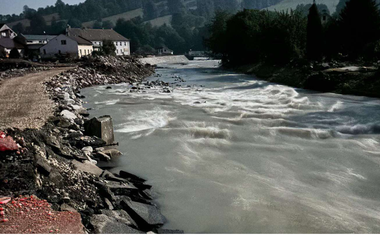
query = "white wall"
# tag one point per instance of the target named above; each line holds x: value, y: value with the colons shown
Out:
x: 84, y: 50
x: 122, y: 48
x: 55, y: 46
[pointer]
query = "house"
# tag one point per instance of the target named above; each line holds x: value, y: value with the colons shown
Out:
x: 164, y: 51
x: 7, y: 32
x: 35, y: 42
x: 71, y: 46
x: 98, y: 36
x: 8, y: 41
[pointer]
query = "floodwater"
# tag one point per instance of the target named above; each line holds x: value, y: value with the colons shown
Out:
x: 228, y: 153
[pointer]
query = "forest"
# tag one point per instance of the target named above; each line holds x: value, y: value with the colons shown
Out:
x: 253, y: 36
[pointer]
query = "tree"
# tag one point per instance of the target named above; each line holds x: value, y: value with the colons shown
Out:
x: 37, y: 24
x: 150, y: 10
x: 359, y: 22
x: 28, y: 12
x: 97, y: 24
x: 176, y: 6
x: 19, y: 28
x: 74, y: 23
x: 314, y: 34
x: 14, y: 54
x: 109, y: 48
x: 217, y: 41
x: 206, y: 8
x: 108, y: 24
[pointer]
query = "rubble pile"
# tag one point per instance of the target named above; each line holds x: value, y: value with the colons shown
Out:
x: 58, y: 163
x: 18, y: 72
x: 104, y: 70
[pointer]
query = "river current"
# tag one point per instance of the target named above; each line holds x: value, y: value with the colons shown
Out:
x: 228, y: 153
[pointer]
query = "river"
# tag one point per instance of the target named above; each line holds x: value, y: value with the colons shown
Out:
x: 228, y: 153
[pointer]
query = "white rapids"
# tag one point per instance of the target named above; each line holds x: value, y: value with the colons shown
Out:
x: 228, y: 153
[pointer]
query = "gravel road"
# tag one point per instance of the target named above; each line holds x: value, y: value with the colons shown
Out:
x: 24, y: 102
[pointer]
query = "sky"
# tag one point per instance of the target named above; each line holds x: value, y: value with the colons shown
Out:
x: 16, y: 6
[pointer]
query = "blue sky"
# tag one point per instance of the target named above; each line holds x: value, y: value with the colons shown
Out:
x: 16, y: 6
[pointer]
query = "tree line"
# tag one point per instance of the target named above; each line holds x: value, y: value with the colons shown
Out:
x: 252, y: 36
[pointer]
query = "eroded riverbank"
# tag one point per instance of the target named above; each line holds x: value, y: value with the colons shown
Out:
x: 56, y: 162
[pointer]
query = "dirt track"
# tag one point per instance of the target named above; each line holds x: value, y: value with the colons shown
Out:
x: 24, y: 102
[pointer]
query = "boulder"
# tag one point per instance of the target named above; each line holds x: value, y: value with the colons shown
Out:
x: 68, y: 115
x: 146, y: 216
x: 104, y: 224
x: 87, y: 167
x: 101, y: 127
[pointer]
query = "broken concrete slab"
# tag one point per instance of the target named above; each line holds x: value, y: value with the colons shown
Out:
x: 104, y: 224
x: 146, y: 216
x: 87, y: 167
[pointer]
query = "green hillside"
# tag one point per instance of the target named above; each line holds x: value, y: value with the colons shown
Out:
x: 292, y: 4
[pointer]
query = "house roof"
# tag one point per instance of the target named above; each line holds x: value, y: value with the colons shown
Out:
x: 80, y: 40
x: 10, y: 43
x: 39, y: 37
x: 96, y: 34
x: 1, y: 25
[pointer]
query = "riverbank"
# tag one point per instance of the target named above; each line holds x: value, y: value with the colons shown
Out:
x: 57, y: 162
x: 342, y: 78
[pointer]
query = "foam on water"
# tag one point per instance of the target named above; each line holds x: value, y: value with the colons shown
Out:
x: 227, y: 153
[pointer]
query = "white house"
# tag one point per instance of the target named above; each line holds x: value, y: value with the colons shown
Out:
x: 65, y: 45
x: 97, y: 36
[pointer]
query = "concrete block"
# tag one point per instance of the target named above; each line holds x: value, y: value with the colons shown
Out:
x: 101, y: 127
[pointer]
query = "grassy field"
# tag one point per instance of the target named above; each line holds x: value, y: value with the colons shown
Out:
x: 292, y: 4
x: 126, y: 15
x: 161, y: 21
x: 26, y: 22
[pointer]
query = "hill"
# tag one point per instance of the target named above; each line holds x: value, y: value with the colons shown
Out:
x: 292, y: 4
x: 126, y: 15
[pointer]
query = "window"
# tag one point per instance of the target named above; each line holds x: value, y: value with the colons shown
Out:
x: 44, y: 51
x: 63, y: 42
x: 125, y: 43
x: 3, y: 34
x: 80, y: 52
x: 59, y: 52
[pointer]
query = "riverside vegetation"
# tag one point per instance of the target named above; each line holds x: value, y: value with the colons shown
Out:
x: 56, y: 163
x: 289, y: 48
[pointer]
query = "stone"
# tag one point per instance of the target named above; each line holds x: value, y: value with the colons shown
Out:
x: 88, y: 151
x: 127, y: 175
x: 109, y: 176
x: 87, y: 167
x: 102, y: 157
x: 146, y: 216
x: 104, y: 224
x: 66, y: 207
x: 169, y: 231
x: 122, y: 188
x: 120, y: 215
x: 101, y: 127
x: 68, y: 115
x: 113, y: 153
x: 43, y: 165
x: 108, y: 204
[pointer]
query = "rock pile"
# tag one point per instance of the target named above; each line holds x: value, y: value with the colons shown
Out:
x: 103, y: 70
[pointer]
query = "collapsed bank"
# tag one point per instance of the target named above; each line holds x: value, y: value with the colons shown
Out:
x: 57, y: 163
